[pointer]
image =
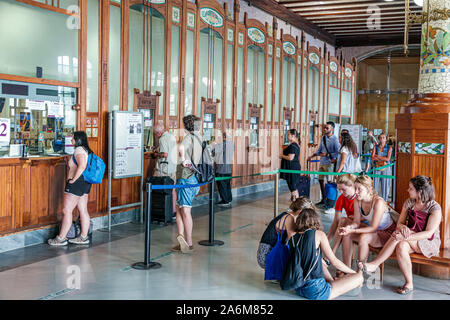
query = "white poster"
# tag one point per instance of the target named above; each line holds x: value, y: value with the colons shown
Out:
x: 5, y: 130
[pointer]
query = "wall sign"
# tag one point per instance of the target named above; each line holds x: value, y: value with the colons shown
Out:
x: 270, y: 49
x: 241, y: 38
x: 289, y: 47
x: 211, y: 17
x: 191, y: 20
x: 230, y: 35
x: 5, y: 130
x: 314, y: 58
x: 176, y: 14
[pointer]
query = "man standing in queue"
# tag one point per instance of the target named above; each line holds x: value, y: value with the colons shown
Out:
x: 223, y: 157
x: 328, y: 152
x: 166, y: 155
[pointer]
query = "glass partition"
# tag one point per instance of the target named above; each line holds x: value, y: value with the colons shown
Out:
x: 92, y: 56
x: 41, y: 119
x: 255, y: 76
x: 158, y: 54
x: 240, y: 92
x: 33, y: 37
x: 269, y: 89
x: 299, y: 95
x: 136, y: 50
x: 205, y: 82
x: 174, y: 71
x: 277, y: 90
x: 229, y: 87
x: 292, y: 84
x: 190, y: 57
x: 114, y: 59
x: 313, y: 89
x: 333, y: 98
x: 285, y: 85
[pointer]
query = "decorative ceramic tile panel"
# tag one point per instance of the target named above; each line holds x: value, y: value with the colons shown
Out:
x: 333, y: 66
x: 270, y: 49
x: 278, y: 52
x: 191, y: 20
x: 230, y: 34
x: 256, y: 35
x: 404, y: 147
x: 241, y: 38
x: 429, y: 148
x: 289, y: 47
x: 176, y: 14
x: 211, y: 17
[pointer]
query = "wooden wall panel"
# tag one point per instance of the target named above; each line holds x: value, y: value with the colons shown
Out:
x: 6, y: 198
x: 57, y: 180
x: 22, y: 210
x: 404, y: 171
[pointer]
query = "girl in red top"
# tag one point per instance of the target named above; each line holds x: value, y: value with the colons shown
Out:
x: 346, y: 186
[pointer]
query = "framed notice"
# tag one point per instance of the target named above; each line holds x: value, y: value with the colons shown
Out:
x: 127, y: 146
x: 5, y: 130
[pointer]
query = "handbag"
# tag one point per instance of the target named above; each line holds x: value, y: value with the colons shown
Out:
x: 277, y: 258
x: 293, y: 273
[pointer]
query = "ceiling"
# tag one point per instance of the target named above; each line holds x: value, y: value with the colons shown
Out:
x: 352, y: 22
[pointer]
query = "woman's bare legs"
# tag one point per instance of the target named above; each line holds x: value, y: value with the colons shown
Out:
x: 70, y: 202
x: 84, y: 215
x: 366, y: 240
x: 403, y: 251
x: 185, y: 224
x: 345, y: 284
x: 383, y: 255
x: 347, y: 248
x: 338, y: 238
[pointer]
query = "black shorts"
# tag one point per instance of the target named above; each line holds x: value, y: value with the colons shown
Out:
x: 79, y: 187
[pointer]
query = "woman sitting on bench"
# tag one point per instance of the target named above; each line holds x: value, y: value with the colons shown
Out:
x: 372, y: 224
x: 417, y: 231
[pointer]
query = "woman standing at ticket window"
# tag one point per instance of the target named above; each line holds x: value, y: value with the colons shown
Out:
x: 76, y: 193
x: 289, y: 161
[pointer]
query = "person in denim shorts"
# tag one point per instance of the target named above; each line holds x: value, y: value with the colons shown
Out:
x: 189, y: 152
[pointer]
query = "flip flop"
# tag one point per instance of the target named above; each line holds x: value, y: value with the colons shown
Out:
x: 404, y: 290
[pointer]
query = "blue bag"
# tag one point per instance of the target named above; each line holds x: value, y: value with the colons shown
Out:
x: 95, y: 169
x: 277, y: 258
x: 330, y: 195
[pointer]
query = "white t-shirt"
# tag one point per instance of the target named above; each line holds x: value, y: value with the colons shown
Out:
x: 352, y: 164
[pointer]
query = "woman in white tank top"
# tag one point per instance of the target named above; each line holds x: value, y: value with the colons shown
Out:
x: 372, y: 224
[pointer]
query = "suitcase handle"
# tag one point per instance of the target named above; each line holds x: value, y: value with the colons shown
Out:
x: 160, y: 166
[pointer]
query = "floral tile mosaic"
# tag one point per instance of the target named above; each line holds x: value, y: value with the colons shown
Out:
x: 429, y: 148
x: 404, y: 147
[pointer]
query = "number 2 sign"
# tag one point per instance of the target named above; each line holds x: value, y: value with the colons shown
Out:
x: 4, y: 130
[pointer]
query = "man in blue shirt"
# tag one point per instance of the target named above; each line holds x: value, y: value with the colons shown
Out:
x: 328, y: 152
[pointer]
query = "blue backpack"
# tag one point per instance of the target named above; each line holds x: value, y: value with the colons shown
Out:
x: 277, y: 258
x: 95, y: 169
x: 331, y: 194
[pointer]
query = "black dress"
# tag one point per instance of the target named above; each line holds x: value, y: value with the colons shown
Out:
x: 292, y: 179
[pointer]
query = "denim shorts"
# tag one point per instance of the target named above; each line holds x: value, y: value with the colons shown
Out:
x: 185, y: 195
x: 316, y: 289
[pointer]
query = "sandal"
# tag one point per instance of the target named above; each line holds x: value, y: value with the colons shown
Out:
x: 404, y: 290
x: 184, y: 247
x: 362, y: 266
x: 57, y: 241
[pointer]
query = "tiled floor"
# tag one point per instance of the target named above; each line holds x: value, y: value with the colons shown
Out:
x: 226, y: 272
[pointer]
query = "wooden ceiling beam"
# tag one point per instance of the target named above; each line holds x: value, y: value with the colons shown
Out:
x: 281, y: 12
x: 375, y: 40
x: 333, y: 2
x: 400, y: 10
x: 382, y: 6
x: 317, y: 18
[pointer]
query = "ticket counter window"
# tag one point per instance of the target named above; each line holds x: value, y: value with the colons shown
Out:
x: 148, y: 126
x: 38, y: 117
x: 208, y: 127
x: 254, y: 132
x: 311, y: 132
x: 287, y: 127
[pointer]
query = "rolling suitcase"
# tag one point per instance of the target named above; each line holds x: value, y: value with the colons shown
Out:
x: 161, y: 198
x: 304, y: 184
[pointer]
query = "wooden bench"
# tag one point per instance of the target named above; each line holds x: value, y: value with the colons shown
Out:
x: 442, y: 260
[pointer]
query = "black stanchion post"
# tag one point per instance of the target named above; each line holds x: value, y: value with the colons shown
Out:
x: 211, y: 242
x: 147, y: 264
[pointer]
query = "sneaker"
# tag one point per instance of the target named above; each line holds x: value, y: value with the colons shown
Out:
x: 330, y: 211
x: 79, y: 240
x: 224, y: 204
x: 57, y: 241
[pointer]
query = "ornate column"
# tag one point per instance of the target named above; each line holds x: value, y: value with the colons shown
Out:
x: 423, y: 123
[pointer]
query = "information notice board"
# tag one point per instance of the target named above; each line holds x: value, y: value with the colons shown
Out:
x: 127, y: 152
x: 356, y: 131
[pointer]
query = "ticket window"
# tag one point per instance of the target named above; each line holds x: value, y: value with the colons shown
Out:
x: 254, y: 132
x: 209, y: 120
x: 147, y: 103
x: 287, y: 124
x: 37, y: 118
x: 313, y: 124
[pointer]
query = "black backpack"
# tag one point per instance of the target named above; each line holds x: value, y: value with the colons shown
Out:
x: 293, y: 272
x: 204, y: 171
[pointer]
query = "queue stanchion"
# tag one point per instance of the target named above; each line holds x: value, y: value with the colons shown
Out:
x: 211, y: 242
x: 146, y: 265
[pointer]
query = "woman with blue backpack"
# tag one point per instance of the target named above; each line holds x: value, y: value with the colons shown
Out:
x: 76, y: 192
x: 277, y: 232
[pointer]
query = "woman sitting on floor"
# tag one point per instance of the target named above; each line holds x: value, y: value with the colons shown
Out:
x: 417, y: 231
x: 269, y: 237
x: 311, y: 242
x: 372, y: 224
